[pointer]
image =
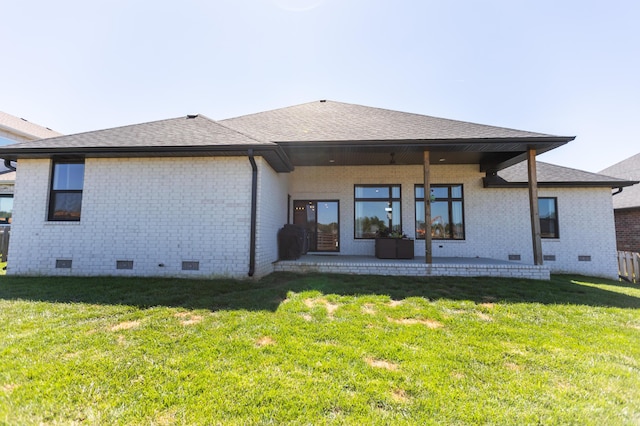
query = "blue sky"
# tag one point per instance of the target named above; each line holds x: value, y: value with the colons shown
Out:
x: 557, y: 67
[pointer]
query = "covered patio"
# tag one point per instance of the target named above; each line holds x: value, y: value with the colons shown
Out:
x: 441, y: 266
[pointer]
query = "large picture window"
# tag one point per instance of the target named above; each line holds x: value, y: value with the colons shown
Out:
x: 65, y: 199
x: 447, y: 212
x: 377, y: 208
x: 548, y: 209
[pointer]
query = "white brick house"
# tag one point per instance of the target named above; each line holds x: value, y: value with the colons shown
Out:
x: 197, y: 198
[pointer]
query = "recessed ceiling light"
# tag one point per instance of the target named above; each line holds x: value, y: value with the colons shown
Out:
x: 441, y: 160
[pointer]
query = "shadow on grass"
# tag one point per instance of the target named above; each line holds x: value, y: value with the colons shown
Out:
x: 268, y: 293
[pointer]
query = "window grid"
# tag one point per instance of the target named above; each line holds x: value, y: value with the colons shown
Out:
x: 548, y: 212
x: 450, y: 225
x: 65, y: 195
x: 382, y: 200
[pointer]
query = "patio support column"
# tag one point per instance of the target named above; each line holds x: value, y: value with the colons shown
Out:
x: 533, y: 207
x: 427, y: 209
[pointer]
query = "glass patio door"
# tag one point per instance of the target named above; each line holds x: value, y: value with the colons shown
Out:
x: 321, y: 219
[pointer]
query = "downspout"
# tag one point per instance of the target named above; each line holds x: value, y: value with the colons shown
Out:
x: 254, y: 206
x: 615, y: 193
x: 7, y: 164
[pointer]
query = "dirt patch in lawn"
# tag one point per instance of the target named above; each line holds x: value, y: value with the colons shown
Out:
x: 368, y: 309
x: 399, y: 395
x: 484, y: 317
x: 381, y: 363
x: 265, y: 341
x: 513, y: 366
x: 126, y: 325
x: 410, y: 321
x: 9, y: 387
x: 330, y: 307
x: 188, y: 318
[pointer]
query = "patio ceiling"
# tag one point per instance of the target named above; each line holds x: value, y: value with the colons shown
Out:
x: 491, y: 155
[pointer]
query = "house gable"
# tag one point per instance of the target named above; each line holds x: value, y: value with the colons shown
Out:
x: 334, y: 133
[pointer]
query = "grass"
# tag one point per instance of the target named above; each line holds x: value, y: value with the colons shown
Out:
x: 319, y: 349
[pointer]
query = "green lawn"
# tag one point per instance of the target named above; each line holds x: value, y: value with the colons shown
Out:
x: 319, y: 349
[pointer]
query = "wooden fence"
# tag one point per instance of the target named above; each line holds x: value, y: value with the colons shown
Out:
x: 629, y: 266
x: 5, y: 232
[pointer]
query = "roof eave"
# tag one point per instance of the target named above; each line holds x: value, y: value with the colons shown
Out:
x: 279, y: 162
x: 428, y: 143
x: 494, y: 183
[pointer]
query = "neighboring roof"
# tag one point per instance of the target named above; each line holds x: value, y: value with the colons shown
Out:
x: 24, y: 128
x: 626, y: 169
x: 177, y: 136
x: 8, y: 177
x: 551, y: 175
x: 323, y: 132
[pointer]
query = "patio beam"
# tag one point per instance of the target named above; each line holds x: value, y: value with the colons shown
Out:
x: 427, y: 208
x: 533, y: 206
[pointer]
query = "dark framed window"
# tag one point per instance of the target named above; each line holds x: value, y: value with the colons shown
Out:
x: 447, y: 212
x: 548, y: 209
x: 65, y: 198
x: 377, y: 208
x: 6, y: 209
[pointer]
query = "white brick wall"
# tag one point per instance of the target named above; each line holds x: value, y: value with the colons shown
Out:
x: 497, y: 221
x: 272, y: 215
x: 168, y: 210
x: 154, y: 211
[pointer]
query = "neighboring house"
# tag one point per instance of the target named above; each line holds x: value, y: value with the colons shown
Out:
x: 626, y: 204
x: 191, y: 196
x: 14, y: 129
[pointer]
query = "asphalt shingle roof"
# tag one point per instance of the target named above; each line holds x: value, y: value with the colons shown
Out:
x: 336, y: 121
x: 187, y: 131
x: 553, y: 175
x: 626, y: 169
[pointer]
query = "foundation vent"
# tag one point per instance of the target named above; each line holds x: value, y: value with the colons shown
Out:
x: 514, y: 257
x: 124, y: 264
x: 191, y: 266
x: 63, y: 263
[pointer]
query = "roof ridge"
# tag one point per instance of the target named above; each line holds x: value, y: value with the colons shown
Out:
x: 275, y: 109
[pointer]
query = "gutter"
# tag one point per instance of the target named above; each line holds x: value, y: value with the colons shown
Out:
x: 498, y: 182
x: 7, y: 164
x: 254, y: 206
x: 275, y: 156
